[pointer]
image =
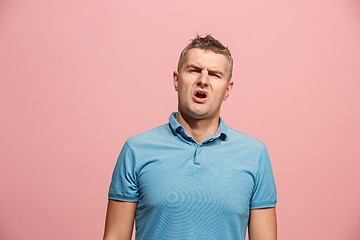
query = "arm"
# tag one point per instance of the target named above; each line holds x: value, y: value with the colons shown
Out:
x: 119, y: 220
x: 262, y: 224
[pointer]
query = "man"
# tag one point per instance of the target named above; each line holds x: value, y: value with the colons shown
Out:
x: 194, y: 178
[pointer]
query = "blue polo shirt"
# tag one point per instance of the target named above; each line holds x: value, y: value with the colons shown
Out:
x: 187, y: 190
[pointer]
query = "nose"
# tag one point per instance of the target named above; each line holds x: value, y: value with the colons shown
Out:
x: 203, y: 80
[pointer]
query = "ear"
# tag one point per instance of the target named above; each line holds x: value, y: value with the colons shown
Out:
x: 228, y: 89
x: 176, y: 80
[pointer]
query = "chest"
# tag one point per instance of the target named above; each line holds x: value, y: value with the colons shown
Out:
x: 197, y: 180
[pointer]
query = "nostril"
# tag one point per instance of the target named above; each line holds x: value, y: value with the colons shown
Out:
x: 202, y: 81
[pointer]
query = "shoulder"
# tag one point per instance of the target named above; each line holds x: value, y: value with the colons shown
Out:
x: 240, y: 137
x: 150, y: 136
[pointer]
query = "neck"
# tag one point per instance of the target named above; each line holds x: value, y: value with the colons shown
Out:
x: 198, y: 129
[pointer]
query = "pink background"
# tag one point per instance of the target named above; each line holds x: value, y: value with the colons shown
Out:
x: 80, y: 77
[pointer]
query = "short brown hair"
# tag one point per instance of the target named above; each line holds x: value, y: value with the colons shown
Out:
x: 207, y: 43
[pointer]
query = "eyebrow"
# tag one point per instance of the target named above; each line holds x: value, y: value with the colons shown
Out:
x: 193, y: 66
x: 209, y: 70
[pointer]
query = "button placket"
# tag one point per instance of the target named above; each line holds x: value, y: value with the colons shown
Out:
x: 197, y: 154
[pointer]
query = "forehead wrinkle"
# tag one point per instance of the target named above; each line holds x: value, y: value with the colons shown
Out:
x: 209, y: 69
x: 191, y: 65
x: 186, y: 61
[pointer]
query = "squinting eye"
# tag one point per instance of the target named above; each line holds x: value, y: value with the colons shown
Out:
x: 215, y: 75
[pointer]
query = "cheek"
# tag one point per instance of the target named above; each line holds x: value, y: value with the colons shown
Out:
x: 184, y: 86
x: 182, y: 91
x: 181, y: 88
x: 220, y: 89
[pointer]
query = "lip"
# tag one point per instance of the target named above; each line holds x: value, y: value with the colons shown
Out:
x: 197, y: 99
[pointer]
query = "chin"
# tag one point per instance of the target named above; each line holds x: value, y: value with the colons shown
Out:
x: 190, y: 113
x: 197, y: 112
x: 201, y: 115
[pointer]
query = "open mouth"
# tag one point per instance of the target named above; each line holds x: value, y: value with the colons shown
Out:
x: 200, y: 96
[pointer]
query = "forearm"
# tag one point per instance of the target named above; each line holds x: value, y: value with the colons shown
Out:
x: 263, y: 224
x: 119, y: 220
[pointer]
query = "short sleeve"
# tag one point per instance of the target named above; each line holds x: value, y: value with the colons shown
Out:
x: 264, y: 195
x: 123, y: 185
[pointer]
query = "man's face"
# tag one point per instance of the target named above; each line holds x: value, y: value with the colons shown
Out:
x: 202, y: 84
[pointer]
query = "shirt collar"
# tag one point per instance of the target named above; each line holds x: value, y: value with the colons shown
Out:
x: 178, y: 129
